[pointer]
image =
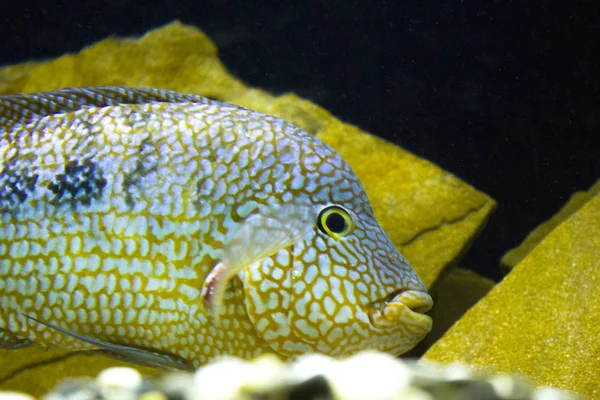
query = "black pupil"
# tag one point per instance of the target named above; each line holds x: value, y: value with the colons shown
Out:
x: 336, y: 223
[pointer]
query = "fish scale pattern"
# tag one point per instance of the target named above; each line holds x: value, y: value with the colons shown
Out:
x: 116, y: 204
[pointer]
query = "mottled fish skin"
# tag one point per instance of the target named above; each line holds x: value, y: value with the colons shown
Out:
x: 117, y: 203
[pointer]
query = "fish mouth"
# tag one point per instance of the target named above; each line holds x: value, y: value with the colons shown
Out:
x: 402, y: 307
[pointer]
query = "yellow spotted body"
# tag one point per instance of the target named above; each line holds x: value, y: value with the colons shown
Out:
x: 116, y: 204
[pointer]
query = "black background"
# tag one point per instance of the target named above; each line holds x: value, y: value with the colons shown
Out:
x: 504, y: 94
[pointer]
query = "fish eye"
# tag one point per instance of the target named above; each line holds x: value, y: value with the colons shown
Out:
x: 335, y: 221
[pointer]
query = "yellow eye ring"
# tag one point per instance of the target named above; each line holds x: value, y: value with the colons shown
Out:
x: 335, y: 221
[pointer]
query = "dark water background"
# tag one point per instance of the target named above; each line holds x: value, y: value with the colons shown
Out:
x: 504, y: 94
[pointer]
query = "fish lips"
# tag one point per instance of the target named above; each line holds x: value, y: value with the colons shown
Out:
x: 402, y: 307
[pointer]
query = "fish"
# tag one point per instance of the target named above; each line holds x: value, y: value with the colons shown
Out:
x: 169, y: 229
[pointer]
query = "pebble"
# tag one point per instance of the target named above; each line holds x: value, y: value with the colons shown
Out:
x: 367, y: 375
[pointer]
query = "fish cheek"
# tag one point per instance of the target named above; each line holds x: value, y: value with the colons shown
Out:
x: 307, y: 316
x: 267, y: 292
x: 327, y: 311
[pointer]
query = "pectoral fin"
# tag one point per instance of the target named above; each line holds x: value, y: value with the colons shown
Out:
x: 261, y: 235
x: 135, y: 355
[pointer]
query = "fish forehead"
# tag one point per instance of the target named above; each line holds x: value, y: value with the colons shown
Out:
x: 106, y: 213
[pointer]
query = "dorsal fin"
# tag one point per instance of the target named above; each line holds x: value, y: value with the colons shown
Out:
x: 23, y: 108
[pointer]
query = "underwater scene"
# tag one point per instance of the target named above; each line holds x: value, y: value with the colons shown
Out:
x: 308, y: 200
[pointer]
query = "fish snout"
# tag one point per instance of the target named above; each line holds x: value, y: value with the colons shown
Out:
x: 402, y: 307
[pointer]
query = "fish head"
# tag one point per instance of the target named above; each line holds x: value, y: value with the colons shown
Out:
x: 343, y: 287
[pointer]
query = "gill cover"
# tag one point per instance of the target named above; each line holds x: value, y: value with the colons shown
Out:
x: 301, y: 299
x: 270, y: 281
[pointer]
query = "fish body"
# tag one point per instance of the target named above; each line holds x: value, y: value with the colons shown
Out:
x: 154, y: 225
